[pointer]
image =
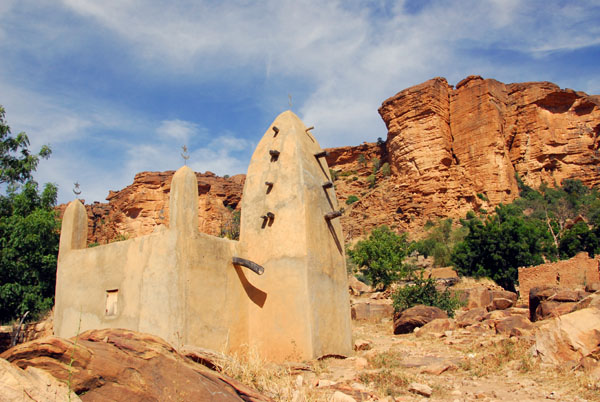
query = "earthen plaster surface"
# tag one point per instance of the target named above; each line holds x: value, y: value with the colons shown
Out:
x: 183, y: 286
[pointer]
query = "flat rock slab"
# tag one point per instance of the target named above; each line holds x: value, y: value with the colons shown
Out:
x: 570, y: 337
x: 117, y: 364
x: 32, y: 384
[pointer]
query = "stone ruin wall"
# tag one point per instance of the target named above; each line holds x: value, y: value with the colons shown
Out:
x: 572, y: 274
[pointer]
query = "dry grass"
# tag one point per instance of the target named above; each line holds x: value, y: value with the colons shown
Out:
x: 484, y: 360
x: 469, y: 282
x: 250, y: 369
x: 386, y: 381
x: 386, y: 360
x: 275, y: 381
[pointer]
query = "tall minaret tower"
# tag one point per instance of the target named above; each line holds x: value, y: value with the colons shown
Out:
x: 290, y: 226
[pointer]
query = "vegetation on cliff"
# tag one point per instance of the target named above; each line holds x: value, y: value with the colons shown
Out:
x: 541, y: 225
x: 380, y: 258
x: 29, y: 230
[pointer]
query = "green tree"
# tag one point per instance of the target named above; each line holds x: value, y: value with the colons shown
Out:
x: 17, y: 163
x: 29, y: 230
x: 440, y: 241
x: 381, y: 256
x: 579, y: 238
x: 498, y: 246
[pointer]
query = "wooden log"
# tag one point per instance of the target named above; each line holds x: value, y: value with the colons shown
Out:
x: 252, y: 266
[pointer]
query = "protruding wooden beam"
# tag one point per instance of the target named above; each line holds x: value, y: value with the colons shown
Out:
x: 269, y: 215
x: 275, y: 130
x: 252, y: 266
x: 321, y: 154
x: 333, y: 214
x: 327, y: 185
x: 310, y: 128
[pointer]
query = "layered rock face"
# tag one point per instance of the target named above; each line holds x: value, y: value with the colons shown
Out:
x: 451, y: 150
x: 138, y: 208
x: 451, y: 144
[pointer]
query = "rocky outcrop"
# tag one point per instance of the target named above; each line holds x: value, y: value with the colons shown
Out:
x: 548, y: 301
x: 138, y: 208
x: 116, y: 364
x: 456, y: 149
x: 32, y: 384
x: 450, y: 150
x: 406, y: 321
x: 570, y: 337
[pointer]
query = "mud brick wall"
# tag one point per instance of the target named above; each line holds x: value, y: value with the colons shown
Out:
x: 573, y: 273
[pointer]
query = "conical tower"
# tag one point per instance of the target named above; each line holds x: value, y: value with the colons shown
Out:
x: 290, y: 225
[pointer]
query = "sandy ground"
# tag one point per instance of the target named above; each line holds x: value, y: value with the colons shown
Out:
x: 455, y: 366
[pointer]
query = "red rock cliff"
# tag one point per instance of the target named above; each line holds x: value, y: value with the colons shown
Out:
x: 450, y: 149
x: 138, y: 208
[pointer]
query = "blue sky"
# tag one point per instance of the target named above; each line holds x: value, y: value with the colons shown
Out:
x: 116, y: 87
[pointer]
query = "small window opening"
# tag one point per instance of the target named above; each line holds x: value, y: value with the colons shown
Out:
x: 112, y: 297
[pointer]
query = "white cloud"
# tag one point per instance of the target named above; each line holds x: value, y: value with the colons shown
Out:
x: 179, y: 130
x: 339, y: 59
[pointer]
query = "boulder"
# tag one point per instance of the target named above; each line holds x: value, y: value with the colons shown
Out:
x: 591, y: 301
x: 550, y: 308
x: 504, y: 294
x: 414, y: 317
x: 117, y: 364
x: 500, y: 304
x: 372, y: 309
x: 437, y: 326
x: 31, y: 384
x: 470, y: 317
x: 569, y: 337
x: 357, y: 287
x: 478, y: 297
x: 516, y: 325
x: 538, y: 295
x: 420, y: 389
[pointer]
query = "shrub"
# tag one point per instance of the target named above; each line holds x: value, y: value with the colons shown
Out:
x: 362, y: 160
x: 376, y: 164
x: 230, y: 229
x: 371, y: 180
x: 386, y: 170
x: 423, y: 291
x: 440, y: 241
x: 333, y: 174
x: 381, y: 256
x: 352, y: 199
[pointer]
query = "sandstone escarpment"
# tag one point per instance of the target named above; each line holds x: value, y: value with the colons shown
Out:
x: 450, y: 149
x: 458, y: 149
x: 138, y: 208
